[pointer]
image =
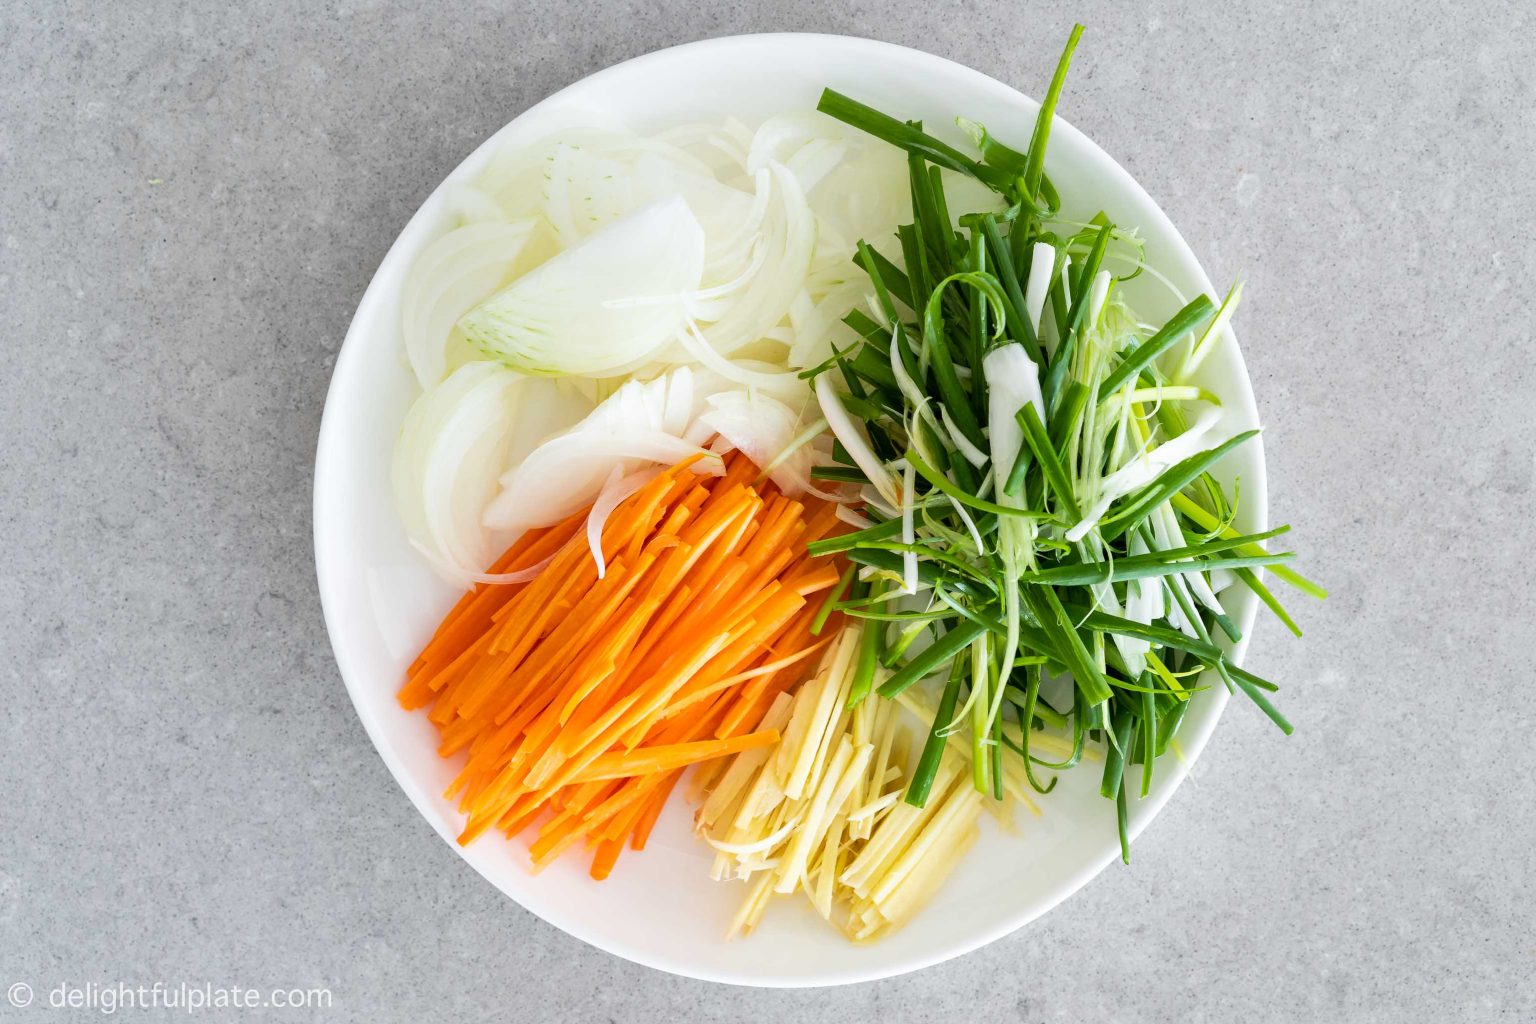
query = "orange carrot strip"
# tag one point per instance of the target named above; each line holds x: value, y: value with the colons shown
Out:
x: 767, y: 669
x: 586, y: 619
x: 638, y: 706
x: 819, y: 579
x: 471, y: 616
x: 652, y: 811
x: 769, y: 617
x: 655, y: 760
x: 607, y: 854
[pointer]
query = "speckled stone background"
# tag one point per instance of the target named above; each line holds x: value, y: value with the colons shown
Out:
x: 192, y: 199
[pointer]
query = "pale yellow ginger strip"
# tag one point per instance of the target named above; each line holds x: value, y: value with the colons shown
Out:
x: 920, y: 887
x: 897, y: 830
x: 826, y: 875
x: 751, y: 910
x: 809, y: 836
x: 961, y: 804
x: 733, y: 783
x: 822, y: 811
x: 867, y: 812
x: 827, y: 713
x: 841, y: 797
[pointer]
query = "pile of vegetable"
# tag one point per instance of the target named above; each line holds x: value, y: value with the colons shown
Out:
x: 1035, y: 465
x: 821, y: 812
x: 585, y: 691
x: 827, y: 459
x: 644, y: 296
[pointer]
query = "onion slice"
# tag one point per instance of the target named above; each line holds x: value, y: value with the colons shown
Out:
x: 573, y: 314
x: 618, y: 488
x: 450, y: 276
x: 637, y: 425
x: 451, y: 449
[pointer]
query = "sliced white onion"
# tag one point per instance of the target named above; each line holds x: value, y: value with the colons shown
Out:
x: 713, y: 145
x: 654, y: 405
x: 761, y: 428
x: 615, y: 490
x: 589, y: 185
x: 729, y: 217
x: 814, y: 161
x: 818, y: 323
x: 470, y: 205
x: 563, y: 476
x: 520, y: 576
x: 864, y: 194
x: 745, y: 232
x: 789, y: 232
x: 451, y: 449
x: 556, y: 318
x: 590, y: 178
x: 678, y: 408
x: 634, y: 427
x: 584, y: 189
x: 738, y: 371
x: 450, y: 276
x: 811, y: 447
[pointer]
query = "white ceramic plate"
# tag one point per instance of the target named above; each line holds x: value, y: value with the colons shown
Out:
x: 381, y: 601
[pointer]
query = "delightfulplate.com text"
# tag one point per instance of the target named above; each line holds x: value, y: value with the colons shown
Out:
x: 112, y: 997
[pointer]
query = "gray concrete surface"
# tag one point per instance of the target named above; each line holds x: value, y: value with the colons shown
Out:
x: 192, y: 199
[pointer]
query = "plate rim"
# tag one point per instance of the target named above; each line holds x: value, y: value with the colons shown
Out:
x: 327, y: 442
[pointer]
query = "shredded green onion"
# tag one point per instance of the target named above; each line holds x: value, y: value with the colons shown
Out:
x: 1014, y: 587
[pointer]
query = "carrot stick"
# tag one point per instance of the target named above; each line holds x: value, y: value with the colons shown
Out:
x: 607, y: 854
x: 469, y: 617
x: 653, y: 806
x: 655, y: 760
x: 732, y: 681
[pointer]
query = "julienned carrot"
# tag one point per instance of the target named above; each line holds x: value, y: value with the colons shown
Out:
x: 580, y: 700
x: 651, y: 760
x: 653, y: 805
x: 696, y: 694
x: 466, y: 623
